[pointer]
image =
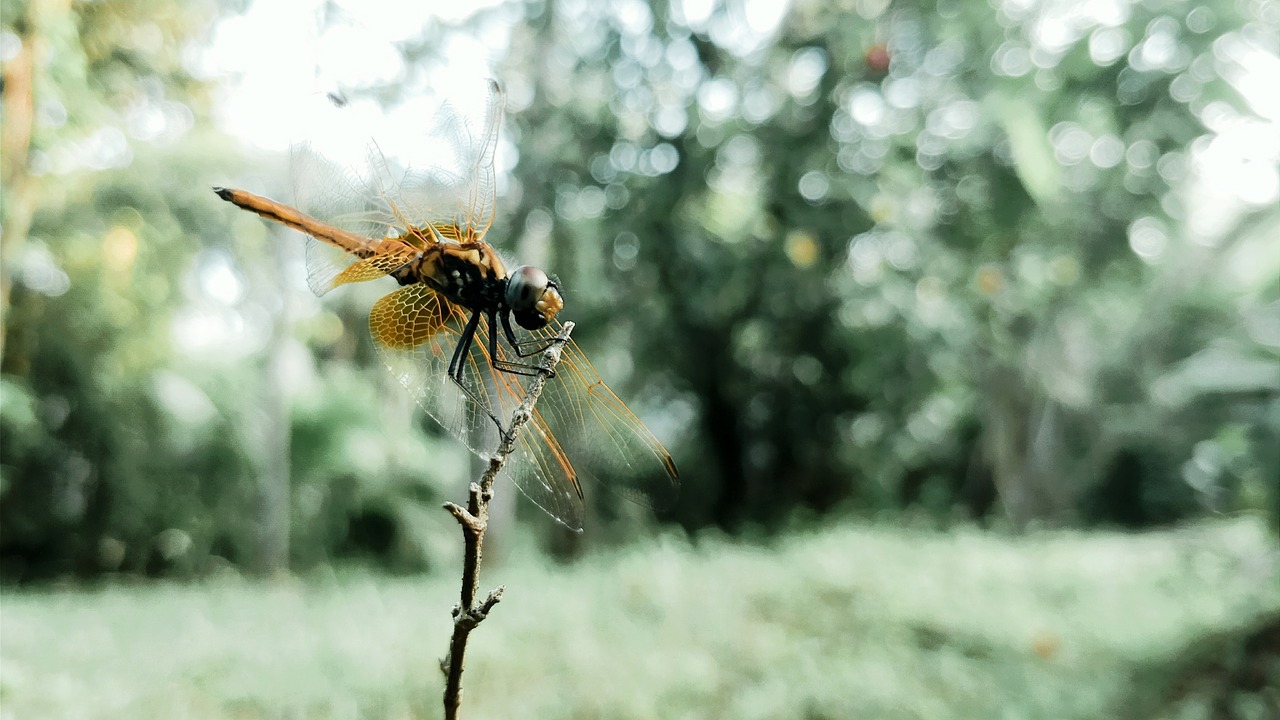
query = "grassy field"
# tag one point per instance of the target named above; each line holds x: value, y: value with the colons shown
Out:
x: 845, y: 622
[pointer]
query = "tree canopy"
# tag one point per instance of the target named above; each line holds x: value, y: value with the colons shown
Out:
x: 1011, y: 262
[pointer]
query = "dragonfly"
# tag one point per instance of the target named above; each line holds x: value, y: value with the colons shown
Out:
x: 447, y: 332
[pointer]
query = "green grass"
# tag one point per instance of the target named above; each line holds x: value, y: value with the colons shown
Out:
x: 846, y: 622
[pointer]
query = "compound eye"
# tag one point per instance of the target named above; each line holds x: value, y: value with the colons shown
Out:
x: 534, y: 300
x: 525, y: 288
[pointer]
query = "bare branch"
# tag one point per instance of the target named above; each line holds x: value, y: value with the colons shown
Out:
x: 474, y: 520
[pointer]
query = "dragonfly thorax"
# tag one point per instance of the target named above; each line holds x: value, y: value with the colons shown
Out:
x: 473, y: 276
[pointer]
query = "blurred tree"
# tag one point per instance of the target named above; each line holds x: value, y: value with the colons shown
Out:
x: 100, y: 474
x: 897, y: 253
x: 923, y: 255
x: 147, y: 409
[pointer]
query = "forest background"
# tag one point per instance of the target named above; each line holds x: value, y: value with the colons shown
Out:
x: 973, y: 270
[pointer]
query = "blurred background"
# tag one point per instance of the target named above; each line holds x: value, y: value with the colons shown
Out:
x: 980, y: 270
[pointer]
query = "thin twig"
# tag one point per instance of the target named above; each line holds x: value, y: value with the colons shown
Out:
x: 474, y: 520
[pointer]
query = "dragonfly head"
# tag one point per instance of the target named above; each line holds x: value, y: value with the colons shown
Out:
x: 533, y: 297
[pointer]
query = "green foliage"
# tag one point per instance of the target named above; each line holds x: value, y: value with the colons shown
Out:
x: 359, y: 491
x: 131, y: 443
x: 842, y: 622
x: 93, y: 250
x: 914, y: 286
x: 942, y: 257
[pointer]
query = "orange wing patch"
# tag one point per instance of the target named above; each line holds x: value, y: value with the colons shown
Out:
x: 374, y: 267
x: 407, y: 317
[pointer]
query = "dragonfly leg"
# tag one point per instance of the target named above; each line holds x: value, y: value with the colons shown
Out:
x: 539, y: 345
x: 457, y: 364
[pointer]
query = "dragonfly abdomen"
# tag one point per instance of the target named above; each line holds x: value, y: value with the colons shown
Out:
x: 357, y: 245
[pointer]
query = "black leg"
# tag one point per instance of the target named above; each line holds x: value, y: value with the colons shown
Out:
x: 498, y: 363
x: 515, y: 368
x: 463, y: 347
x: 458, y: 363
x: 493, y: 336
x: 538, y: 344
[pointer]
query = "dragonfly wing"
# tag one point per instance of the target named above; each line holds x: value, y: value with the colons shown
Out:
x: 455, y: 192
x: 481, y: 201
x: 387, y: 194
x: 602, y: 437
x: 324, y: 264
x: 416, y: 330
x: 542, y: 469
x: 354, y: 199
x: 375, y: 266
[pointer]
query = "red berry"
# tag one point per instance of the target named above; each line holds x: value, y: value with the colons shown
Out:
x: 877, y: 59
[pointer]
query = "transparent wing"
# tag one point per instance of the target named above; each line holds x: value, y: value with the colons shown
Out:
x: 347, y: 197
x: 381, y: 192
x: 601, y: 437
x: 416, y: 331
x: 582, y: 429
x: 460, y: 192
